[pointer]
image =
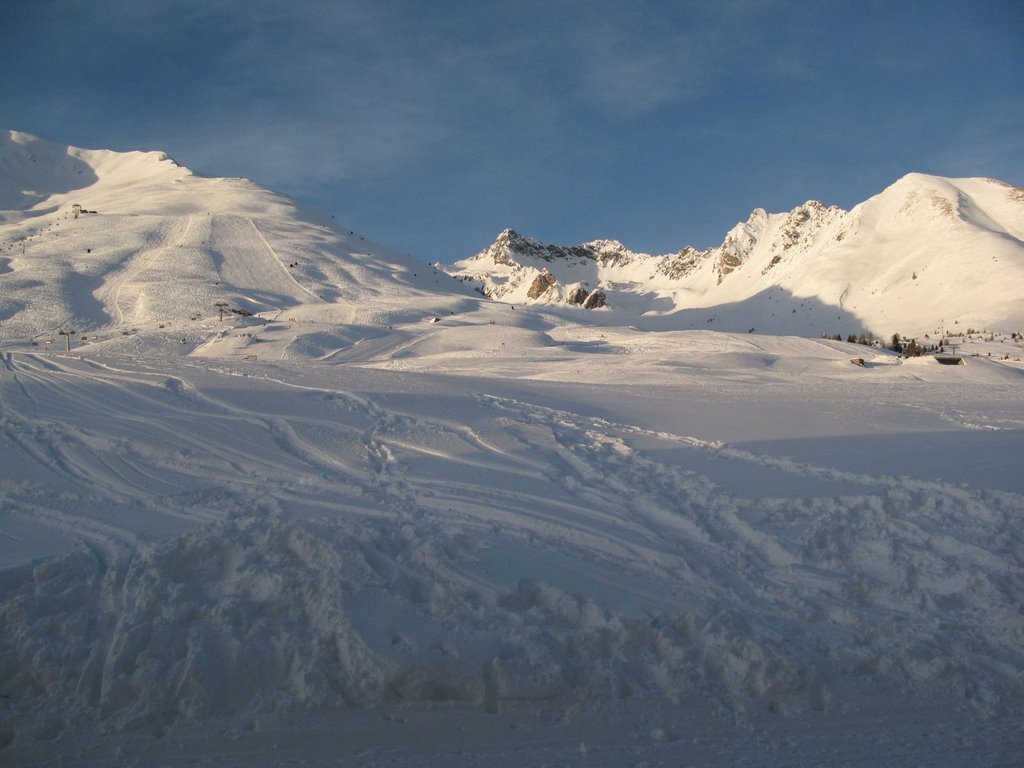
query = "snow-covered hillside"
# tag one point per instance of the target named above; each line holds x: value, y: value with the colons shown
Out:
x: 385, y: 521
x: 157, y: 246
x: 926, y: 253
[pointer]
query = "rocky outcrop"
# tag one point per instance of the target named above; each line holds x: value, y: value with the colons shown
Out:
x: 577, y: 296
x: 511, y: 248
x: 740, y: 243
x: 540, y: 284
x: 595, y: 300
x: 728, y: 261
x: 679, y: 265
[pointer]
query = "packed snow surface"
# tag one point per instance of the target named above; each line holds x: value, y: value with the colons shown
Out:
x: 375, y: 520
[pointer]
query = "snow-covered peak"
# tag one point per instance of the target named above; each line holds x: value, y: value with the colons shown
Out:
x: 925, y: 251
x: 33, y: 169
x: 100, y: 239
x: 914, y: 199
x: 919, y: 199
x: 511, y: 248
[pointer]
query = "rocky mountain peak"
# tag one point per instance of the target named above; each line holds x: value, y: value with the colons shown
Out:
x: 511, y: 248
x: 924, y: 250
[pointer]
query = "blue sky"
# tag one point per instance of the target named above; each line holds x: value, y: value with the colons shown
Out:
x: 432, y: 126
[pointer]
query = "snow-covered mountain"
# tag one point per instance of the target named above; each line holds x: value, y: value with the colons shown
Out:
x: 926, y: 252
x: 389, y: 520
x: 95, y: 239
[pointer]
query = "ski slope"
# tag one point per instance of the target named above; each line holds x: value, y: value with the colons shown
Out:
x: 162, y: 247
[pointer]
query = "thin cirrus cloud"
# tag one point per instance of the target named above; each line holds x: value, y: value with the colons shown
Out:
x: 365, y: 88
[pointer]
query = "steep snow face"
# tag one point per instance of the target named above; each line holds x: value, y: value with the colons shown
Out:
x: 925, y: 253
x: 930, y: 252
x: 93, y: 239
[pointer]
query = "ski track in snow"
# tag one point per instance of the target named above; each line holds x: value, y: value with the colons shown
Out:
x: 142, y: 261
x: 280, y: 262
x: 574, y: 564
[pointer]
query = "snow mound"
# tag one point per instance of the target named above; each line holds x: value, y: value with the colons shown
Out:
x: 237, y: 617
x: 255, y: 614
x: 476, y: 340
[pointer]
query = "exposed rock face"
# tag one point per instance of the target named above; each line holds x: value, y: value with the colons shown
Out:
x: 775, y: 260
x: 511, y: 248
x: 727, y: 262
x: 577, y: 295
x: 541, y: 283
x: 740, y: 243
x: 502, y: 257
x: 679, y: 265
x: 1016, y: 194
x: 595, y: 300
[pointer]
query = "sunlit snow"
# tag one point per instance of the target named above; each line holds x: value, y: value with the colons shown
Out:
x: 295, y: 498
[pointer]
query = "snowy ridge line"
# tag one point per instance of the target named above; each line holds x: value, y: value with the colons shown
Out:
x: 925, y: 250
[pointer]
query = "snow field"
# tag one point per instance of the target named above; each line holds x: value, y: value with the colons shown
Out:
x: 246, y: 539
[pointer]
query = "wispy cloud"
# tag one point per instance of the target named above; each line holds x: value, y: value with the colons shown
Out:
x: 342, y: 89
x: 358, y: 87
x: 634, y: 58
